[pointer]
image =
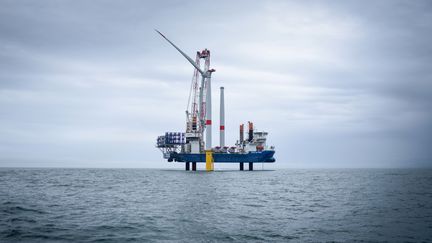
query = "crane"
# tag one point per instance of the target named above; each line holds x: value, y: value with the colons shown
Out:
x: 198, y: 114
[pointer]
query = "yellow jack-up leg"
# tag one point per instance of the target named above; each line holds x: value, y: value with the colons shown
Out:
x: 209, y: 160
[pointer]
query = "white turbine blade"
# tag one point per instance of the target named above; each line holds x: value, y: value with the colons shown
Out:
x: 184, y: 54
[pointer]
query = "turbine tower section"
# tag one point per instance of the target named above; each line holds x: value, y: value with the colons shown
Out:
x: 222, y: 118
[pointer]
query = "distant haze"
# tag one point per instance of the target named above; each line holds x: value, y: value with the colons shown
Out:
x: 335, y: 83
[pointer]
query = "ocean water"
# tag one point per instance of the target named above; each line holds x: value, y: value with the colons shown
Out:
x: 119, y: 205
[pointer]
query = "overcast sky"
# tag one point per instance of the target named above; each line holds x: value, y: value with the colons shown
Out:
x: 336, y: 84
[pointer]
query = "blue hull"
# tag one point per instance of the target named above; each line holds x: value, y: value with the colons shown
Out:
x: 265, y: 156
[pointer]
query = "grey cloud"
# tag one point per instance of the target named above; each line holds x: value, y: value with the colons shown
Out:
x: 336, y: 83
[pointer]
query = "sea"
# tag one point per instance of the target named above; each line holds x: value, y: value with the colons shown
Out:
x: 155, y: 205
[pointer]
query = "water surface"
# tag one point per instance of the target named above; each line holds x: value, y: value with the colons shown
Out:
x: 116, y: 205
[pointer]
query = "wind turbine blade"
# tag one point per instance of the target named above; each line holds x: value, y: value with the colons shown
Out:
x: 184, y: 54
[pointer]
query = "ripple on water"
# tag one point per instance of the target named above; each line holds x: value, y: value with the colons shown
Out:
x: 92, y: 205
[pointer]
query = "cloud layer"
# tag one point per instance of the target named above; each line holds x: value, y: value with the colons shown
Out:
x: 337, y: 84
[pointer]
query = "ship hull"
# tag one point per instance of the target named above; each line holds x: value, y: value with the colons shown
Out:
x: 265, y: 156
